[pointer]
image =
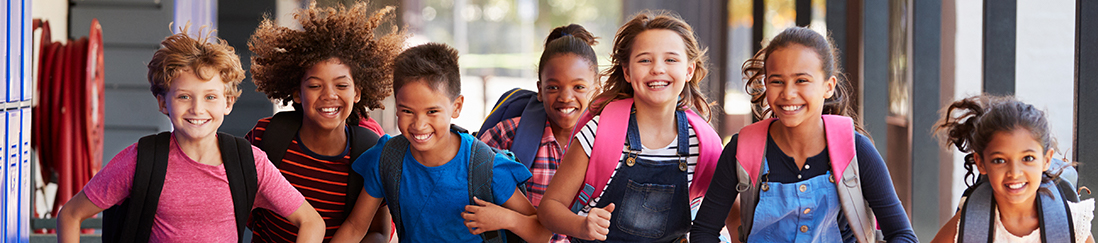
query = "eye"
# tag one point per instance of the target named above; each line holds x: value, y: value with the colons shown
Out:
x: 1029, y: 158
x: 183, y: 97
x: 802, y: 80
x: 405, y: 111
x: 671, y: 60
x: 343, y: 86
x: 644, y: 60
x: 775, y: 81
x: 312, y: 86
x: 580, y: 87
x: 552, y: 87
x: 432, y: 111
x: 998, y: 161
x: 211, y: 97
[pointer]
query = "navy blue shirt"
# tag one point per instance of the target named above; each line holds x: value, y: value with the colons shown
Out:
x: 876, y: 188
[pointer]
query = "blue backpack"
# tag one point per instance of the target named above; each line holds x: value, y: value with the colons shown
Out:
x: 520, y: 102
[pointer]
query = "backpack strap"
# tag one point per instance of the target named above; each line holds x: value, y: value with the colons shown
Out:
x: 236, y: 156
x: 134, y: 217
x: 391, y: 167
x: 709, y: 151
x: 361, y: 140
x: 606, y: 151
x: 841, y: 149
x: 1055, y: 217
x: 480, y: 181
x: 750, y: 153
x: 284, y: 126
x: 977, y: 215
x: 529, y: 132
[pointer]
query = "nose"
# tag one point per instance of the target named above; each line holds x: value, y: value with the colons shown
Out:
x: 1014, y: 169
x: 328, y: 92
x: 566, y: 95
x: 659, y: 67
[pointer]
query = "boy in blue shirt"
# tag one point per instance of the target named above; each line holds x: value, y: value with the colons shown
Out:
x: 433, y: 183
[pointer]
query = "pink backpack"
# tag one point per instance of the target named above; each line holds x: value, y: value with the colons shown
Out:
x: 610, y: 137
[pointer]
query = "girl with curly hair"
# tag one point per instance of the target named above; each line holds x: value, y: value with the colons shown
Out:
x: 332, y: 71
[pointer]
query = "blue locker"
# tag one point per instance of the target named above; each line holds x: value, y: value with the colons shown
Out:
x: 24, y: 177
x: 12, y: 188
x: 4, y: 174
x: 7, y: 49
x: 27, y: 53
x: 15, y: 50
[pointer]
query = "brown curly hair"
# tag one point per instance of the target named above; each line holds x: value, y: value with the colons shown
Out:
x: 282, y: 55
x: 205, y: 56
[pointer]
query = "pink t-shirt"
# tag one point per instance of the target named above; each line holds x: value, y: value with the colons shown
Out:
x: 195, y: 204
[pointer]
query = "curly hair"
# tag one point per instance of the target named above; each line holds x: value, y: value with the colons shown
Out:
x: 200, y: 55
x: 282, y: 55
x: 616, y: 87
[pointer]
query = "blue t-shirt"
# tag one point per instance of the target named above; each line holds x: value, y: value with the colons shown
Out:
x: 432, y: 198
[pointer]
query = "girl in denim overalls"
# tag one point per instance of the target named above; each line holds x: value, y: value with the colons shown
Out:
x: 661, y: 154
x: 796, y: 81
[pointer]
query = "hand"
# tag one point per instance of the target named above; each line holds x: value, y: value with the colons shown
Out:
x: 598, y: 223
x: 486, y: 216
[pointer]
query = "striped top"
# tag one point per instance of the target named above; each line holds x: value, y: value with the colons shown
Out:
x: 321, y: 179
x: 586, y: 138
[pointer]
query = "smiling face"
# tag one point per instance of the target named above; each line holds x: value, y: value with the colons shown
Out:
x: 327, y: 94
x: 564, y: 89
x: 195, y: 107
x: 796, y: 87
x: 658, y: 67
x: 423, y: 116
x: 1013, y: 162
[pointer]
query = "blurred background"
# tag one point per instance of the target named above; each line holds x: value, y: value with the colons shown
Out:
x: 906, y: 59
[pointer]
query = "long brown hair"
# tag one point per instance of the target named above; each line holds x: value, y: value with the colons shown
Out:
x: 618, y: 88
x: 754, y: 71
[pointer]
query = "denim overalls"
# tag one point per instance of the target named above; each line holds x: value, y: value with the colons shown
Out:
x: 651, y: 197
x: 804, y: 211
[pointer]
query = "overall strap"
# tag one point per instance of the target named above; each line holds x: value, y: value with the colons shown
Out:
x: 750, y: 151
x: 391, y: 167
x: 841, y: 149
x: 279, y: 134
x: 239, y: 163
x: 977, y: 216
x: 361, y: 140
x: 529, y: 132
x: 148, y: 181
x: 709, y: 151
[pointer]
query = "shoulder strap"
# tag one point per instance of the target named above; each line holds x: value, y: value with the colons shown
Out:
x: 148, y: 180
x: 606, y: 150
x: 480, y: 181
x: 391, y: 167
x: 1055, y: 217
x: 239, y: 163
x: 709, y: 149
x: 977, y: 216
x: 750, y: 153
x: 529, y: 132
x: 279, y: 134
x: 841, y: 149
x: 361, y: 140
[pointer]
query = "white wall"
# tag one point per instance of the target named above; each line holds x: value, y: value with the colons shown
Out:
x: 969, y: 75
x: 57, y: 13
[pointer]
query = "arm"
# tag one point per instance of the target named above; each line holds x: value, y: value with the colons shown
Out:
x: 76, y: 210
x: 948, y: 232
x: 380, y: 228
x: 310, y: 225
x: 877, y: 189
x: 554, y: 211
x: 516, y: 215
x: 716, y: 210
x: 356, y: 225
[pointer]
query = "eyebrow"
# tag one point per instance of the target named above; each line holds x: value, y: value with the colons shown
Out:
x: 1024, y: 151
x: 428, y: 108
x: 668, y: 53
x: 318, y: 78
x: 794, y: 75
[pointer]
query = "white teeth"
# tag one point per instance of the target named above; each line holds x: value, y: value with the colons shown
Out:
x: 421, y: 137
x: 1016, y: 185
x: 566, y: 110
x: 658, y: 84
x: 791, y: 107
x: 332, y: 109
x: 197, y: 121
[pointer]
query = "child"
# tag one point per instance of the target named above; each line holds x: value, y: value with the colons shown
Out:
x: 195, y: 84
x: 331, y: 70
x: 425, y: 182
x: 657, y: 65
x: 1009, y: 142
x: 568, y: 72
x: 784, y: 169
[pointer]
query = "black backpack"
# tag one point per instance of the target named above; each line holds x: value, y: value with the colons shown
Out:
x: 520, y: 102
x: 480, y: 179
x: 132, y: 220
x: 281, y: 132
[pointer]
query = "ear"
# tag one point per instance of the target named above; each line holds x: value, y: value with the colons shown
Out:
x: 690, y: 71
x: 625, y: 72
x: 296, y: 95
x: 229, y: 101
x: 358, y: 95
x: 162, y: 104
x: 457, y: 106
x: 540, y: 92
x: 979, y: 163
x: 1048, y: 159
x: 831, y: 82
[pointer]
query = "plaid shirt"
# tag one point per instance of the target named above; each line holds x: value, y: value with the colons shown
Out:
x: 546, y: 160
